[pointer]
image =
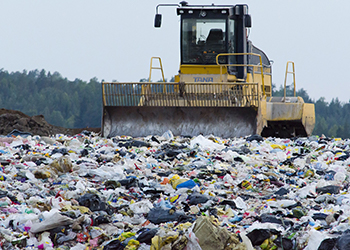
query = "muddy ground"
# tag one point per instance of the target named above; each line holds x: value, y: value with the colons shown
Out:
x: 13, y: 121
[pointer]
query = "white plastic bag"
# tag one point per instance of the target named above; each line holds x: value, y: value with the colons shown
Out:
x: 205, y: 144
x: 141, y: 207
x: 192, y: 243
x: 168, y: 135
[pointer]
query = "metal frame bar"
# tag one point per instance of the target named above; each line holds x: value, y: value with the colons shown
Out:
x: 160, y: 67
x: 242, y: 65
x: 166, y: 5
x: 285, y: 78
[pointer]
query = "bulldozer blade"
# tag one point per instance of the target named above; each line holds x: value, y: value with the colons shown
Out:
x: 185, y: 121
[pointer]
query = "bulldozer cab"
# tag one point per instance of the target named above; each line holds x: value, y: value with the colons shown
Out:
x: 215, y: 48
x: 224, y: 85
x: 208, y: 31
x: 202, y: 40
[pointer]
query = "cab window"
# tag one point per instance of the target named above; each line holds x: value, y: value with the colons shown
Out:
x: 202, y: 40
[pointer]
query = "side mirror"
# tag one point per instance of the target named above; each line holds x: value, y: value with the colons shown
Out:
x: 247, y: 21
x: 158, y: 20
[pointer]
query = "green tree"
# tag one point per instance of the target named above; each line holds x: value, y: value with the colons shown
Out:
x: 302, y: 93
x: 321, y: 126
x: 332, y: 132
x: 144, y: 79
x: 61, y: 101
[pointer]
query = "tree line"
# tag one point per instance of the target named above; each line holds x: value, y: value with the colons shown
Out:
x: 78, y: 104
x: 70, y: 104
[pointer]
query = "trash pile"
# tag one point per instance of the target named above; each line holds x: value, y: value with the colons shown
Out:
x: 166, y: 192
x: 14, y: 122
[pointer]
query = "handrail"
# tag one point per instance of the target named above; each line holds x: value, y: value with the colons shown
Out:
x: 285, y: 78
x: 176, y: 83
x: 104, y: 94
x: 189, y: 94
x: 160, y: 67
x: 240, y: 65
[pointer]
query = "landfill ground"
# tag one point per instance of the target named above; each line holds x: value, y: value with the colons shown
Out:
x: 62, y: 190
x: 13, y: 121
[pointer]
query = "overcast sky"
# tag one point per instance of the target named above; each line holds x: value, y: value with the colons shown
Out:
x: 114, y: 40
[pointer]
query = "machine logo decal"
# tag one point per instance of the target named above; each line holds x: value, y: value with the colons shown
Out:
x: 203, y: 79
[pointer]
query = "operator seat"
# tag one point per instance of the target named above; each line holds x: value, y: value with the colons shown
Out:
x: 215, y: 36
x: 214, y: 45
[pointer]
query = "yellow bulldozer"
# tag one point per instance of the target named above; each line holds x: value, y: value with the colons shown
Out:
x: 223, y: 88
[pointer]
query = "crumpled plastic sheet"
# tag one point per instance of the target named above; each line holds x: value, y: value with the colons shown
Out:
x: 153, y: 192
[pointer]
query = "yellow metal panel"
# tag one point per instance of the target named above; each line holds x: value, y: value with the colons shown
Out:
x: 103, y: 93
x: 201, y: 78
x: 284, y: 111
x: 250, y: 78
x: 231, y: 78
x: 256, y: 77
x: 201, y: 69
x: 308, y: 119
x: 262, y: 116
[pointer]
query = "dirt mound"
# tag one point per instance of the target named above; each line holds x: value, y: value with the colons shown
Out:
x: 14, y: 122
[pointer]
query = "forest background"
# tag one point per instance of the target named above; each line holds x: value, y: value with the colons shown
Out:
x: 78, y: 104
